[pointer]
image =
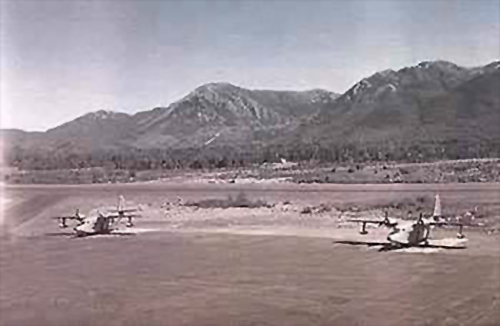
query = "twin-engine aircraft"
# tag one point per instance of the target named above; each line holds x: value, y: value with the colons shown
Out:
x: 414, y: 233
x: 101, y: 220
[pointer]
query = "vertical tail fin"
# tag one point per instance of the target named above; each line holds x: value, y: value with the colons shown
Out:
x: 437, y: 208
x: 121, y: 203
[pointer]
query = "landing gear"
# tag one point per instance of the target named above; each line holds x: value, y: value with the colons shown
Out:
x: 62, y: 223
x: 460, y: 234
x: 129, y: 222
x: 362, y: 229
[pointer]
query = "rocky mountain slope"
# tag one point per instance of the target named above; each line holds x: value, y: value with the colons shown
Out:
x: 432, y: 102
x: 232, y: 114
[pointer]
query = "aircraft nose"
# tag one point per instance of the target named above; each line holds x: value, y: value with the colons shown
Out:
x: 79, y: 228
x: 397, y: 238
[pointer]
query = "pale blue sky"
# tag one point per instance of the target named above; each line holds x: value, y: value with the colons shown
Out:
x: 61, y: 59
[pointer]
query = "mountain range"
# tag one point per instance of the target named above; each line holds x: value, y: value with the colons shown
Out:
x: 426, y: 105
x: 432, y: 101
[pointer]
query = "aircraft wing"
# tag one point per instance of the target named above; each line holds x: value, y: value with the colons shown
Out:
x: 386, y: 222
x: 116, y: 215
x: 445, y: 243
x: 366, y: 221
x: 125, y: 210
x: 444, y: 223
x: 68, y: 217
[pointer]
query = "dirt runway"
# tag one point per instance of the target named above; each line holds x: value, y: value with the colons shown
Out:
x: 199, y: 278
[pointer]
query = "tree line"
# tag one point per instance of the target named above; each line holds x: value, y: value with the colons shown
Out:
x: 233, y: 157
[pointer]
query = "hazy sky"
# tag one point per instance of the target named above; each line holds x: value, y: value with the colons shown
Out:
x: 61, y: 59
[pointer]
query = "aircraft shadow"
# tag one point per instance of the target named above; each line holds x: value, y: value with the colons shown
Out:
x: 386, y: 246
x: 73, y: 235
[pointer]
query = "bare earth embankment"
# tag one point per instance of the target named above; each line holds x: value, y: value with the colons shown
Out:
x: 270, y: 265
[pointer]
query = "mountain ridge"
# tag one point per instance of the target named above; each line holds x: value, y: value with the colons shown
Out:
x: 381, y: 111
x: 210, y: 108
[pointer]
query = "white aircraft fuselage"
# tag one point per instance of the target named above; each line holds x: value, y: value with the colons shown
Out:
x: 94, y: 225
x: 409, y: 233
